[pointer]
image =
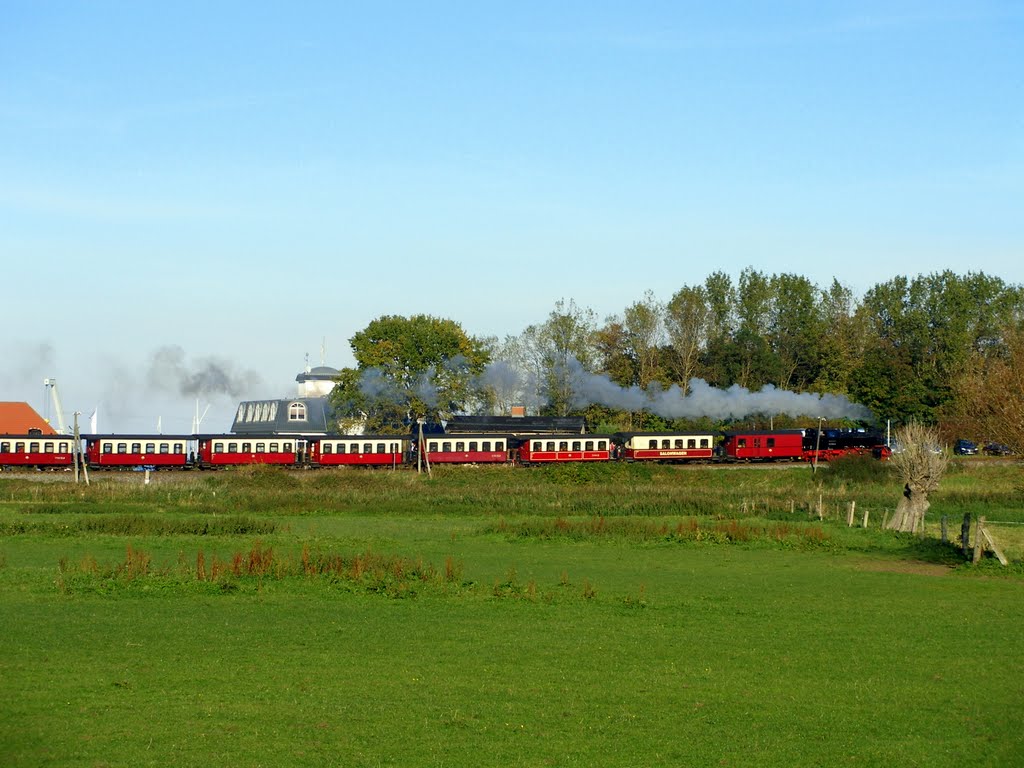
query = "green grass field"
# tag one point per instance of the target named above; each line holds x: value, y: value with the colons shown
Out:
x: 620, y: 615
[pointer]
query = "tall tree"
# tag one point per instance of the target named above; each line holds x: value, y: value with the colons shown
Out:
x: 410, y: 367
x: 567, y: 342
x: 688, y: 320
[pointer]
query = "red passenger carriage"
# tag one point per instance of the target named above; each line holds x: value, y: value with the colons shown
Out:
x: 359, y: 451
x: 463, y: 448
x: 239, y: 450
x: 130, y: 451
x: 36, y: 451
x: 543, y: 449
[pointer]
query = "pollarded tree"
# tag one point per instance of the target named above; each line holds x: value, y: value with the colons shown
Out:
x: 410, y: 367
x: 920, y: 463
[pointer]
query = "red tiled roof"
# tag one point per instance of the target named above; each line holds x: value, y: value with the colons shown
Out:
x: 19, y: 418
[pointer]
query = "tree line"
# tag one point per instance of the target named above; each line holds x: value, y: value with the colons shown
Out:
x: 940, y: 349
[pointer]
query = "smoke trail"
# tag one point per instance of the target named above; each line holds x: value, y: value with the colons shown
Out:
x: 208, y: 376
x: 703, y: 400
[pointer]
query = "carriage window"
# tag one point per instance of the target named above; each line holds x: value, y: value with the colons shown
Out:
x: 381, y: 448
x: 297, y: 412
x: 122, y: 447
x: 498, y: 446
x: 460, y: 445
x: 396, y: 447
x: 741, y: 442
x: 704, y: 442
x: 666, y: 444
x: 602, y: 445
x: 550, y: 445
x: 108, y: 448
x: 691, y: 443
x: 33, y: 447
x: 446, y: 447
x: 232, y: 447
x: 771, y: 442
x: 367, y: 447
x: 563, y: 445
x: 327, y: 448
x: 47, y: 447
x: 652, y: 443
x: 341, y: 448
x: 165, y: 448
x: 246, y: 447
x: 261, y: 447
x: 432, y: 446
x: 286, y: 448
x: 150, y: 447
x: 136, y: 447
x: 473, y: 445
x: 576, y: 445
x: 218, y: 447
x: 485, y: 445
x: 589, y: 445
x: 5, y: 447
x: 179, y: 448
x: 19, y: 447
x: 275, y: 448
x: 62, y: 447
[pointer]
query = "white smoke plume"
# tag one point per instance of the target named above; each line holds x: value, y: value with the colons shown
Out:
x: 703, y: 400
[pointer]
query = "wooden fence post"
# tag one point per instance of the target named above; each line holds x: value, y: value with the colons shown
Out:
x: 979, y: 548
x: 849, y: 514
x: 865, y: 523
x: 965, y: 535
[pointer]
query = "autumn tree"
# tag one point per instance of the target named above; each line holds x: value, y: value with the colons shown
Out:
x: 409, y: 367
x: 988, y: 399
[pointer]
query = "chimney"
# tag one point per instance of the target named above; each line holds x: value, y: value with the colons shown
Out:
x: 518, y: 411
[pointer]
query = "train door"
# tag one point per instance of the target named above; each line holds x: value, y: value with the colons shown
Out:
x: 300, y: 451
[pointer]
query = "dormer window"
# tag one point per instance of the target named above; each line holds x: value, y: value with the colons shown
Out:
x: 296, y: 412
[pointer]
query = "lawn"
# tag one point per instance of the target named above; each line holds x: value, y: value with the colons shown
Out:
x: 636, y: 616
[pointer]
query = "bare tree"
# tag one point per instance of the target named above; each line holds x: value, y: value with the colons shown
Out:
x: 920, y: 463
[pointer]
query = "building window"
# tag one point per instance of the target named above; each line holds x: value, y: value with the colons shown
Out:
x: 296, y: 412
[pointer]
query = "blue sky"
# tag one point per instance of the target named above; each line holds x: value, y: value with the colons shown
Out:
x: 241, y: 180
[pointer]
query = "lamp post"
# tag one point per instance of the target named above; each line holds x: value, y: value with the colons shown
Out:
x: 817, y: 445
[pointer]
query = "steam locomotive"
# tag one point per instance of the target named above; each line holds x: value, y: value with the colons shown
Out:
x: 37, y: 451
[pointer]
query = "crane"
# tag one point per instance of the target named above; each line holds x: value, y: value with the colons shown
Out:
x: 51, y: 384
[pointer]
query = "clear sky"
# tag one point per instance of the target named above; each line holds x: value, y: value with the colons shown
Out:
x: 236, y: 181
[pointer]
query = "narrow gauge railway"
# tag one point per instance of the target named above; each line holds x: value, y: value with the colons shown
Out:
x: 204, y: 452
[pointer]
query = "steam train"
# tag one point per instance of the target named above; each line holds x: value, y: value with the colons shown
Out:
x: 124, y: 452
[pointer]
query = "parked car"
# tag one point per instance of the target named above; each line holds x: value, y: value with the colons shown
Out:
x: 965, y: 448
x: 997, y: 449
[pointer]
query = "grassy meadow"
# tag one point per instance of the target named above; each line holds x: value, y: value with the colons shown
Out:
x: 564, y: 616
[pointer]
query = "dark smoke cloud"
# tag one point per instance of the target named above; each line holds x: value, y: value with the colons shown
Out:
x: 703, y: 400
x: 207, y: 377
